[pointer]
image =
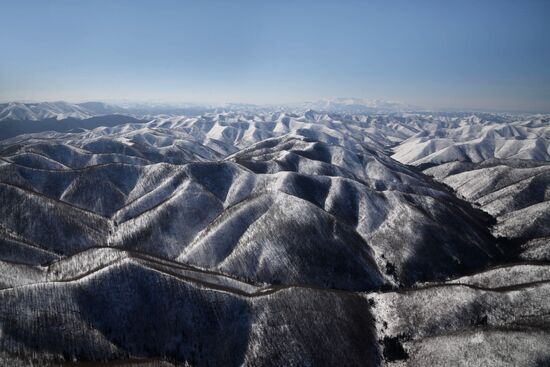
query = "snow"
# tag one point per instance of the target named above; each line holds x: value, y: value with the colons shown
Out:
x: 314, y: 236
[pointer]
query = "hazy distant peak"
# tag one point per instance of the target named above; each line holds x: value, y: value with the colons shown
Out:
x: 358, y: 105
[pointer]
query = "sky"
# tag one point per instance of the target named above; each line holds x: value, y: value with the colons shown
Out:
x: 474, y: 54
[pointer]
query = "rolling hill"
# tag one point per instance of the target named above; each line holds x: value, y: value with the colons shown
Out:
x: 276, y: 238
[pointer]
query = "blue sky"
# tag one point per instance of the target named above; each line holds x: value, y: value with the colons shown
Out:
x: 459, y: 54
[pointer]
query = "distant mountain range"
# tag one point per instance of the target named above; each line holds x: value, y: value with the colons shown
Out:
x: 359, y: 105
x: 20, y: 118
x: 54, y: 110
x: 63, y: 110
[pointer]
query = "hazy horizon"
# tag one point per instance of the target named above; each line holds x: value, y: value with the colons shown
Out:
x: 299, y: 104
x: 468, y: 55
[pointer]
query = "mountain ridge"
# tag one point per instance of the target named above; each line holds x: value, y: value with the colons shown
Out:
x: 272, y: 238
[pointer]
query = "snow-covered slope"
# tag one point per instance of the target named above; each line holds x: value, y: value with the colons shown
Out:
x: 468, y: 321
x: 276, y: 238
x: 177, y: 182
x: 515, y: 192
x: 44, y: 110
x: 475, y: 140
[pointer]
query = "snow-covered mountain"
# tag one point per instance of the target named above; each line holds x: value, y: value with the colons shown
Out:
x: 277, y: 238
x: 476, y: 139
x: 53, y: 110
x: 61, y: 110
x: 359, y: 105
x: 515, y: 192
